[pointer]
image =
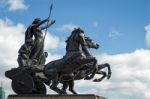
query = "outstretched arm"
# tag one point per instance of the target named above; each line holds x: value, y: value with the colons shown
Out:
x: 47, y: 26
x: 42, y: 22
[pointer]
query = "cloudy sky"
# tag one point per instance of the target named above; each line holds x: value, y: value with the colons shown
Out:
x: 121, y: 27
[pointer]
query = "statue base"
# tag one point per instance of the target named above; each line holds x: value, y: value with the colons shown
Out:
x: 79, y: 96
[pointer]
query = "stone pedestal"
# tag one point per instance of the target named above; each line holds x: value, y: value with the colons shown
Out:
x: 81, y: 96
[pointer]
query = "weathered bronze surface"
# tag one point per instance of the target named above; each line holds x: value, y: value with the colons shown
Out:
x: 78, y: 63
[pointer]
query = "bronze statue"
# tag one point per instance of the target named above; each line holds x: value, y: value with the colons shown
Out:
x: 78, y: 63
x: 73, y: 60
x: 32, y: 73
x: 68, y: 80
x: 24, y: 53
x: 35, y: 30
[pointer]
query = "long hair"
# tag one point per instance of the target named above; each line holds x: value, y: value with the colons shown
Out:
x: 36, y: 21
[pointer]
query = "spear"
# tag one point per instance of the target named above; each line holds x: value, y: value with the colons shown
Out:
x: 50, y: 11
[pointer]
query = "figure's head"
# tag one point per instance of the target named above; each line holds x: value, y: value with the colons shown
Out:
x: 36, y: 21
x: 77, y: 30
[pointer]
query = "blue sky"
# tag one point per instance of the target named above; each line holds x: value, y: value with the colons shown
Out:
x: 121, y: 27
x: 127, y: 17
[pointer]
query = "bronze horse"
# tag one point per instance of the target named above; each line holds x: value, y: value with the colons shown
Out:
x: 68, y: 80
x: 72, y: 61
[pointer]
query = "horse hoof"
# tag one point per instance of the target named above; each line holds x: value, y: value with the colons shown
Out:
x: 87, y: 78
x: 96, y: 80
x: 75, y: 93
x: 108, y: 76
x: 63, y: 93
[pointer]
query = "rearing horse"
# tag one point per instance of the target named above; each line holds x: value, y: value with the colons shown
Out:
x: 73, y: 60
x: 68, y: 80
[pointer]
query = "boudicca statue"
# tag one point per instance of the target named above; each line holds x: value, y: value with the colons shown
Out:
x: 32, y: 74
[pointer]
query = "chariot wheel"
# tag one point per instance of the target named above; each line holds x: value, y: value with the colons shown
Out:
x: 22, y: 84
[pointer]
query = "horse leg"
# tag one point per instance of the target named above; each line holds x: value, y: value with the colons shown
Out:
x: 100, y: 79
x: 71, y: 86
x: 65, y: 86
x: 101, y: 66
x: 94, y: 71
x: 55, y: 88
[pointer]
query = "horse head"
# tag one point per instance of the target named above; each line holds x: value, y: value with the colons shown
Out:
x: 91, y: 43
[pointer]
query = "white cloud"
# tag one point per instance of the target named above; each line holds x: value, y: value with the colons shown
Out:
x: 67, y: 27
x: 53, y: 42
x: 130, y: 76
x: 147, y: 37
x: 10, y: 40
x: 13, y: 5
x: 114, y: 34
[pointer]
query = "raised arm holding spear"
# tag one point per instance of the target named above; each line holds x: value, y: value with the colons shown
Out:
x: 52, y: 22
x: 35, y: 29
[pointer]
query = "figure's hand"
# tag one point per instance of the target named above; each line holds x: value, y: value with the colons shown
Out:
x: 97, y: 46
x: 52, y: 22
x: 47, y: 19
